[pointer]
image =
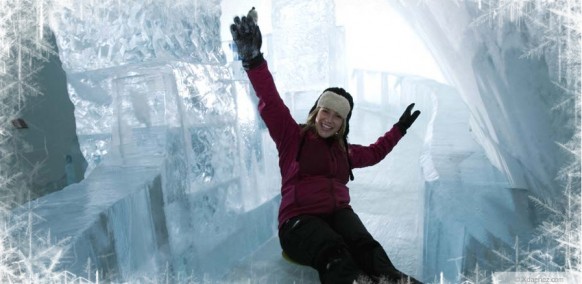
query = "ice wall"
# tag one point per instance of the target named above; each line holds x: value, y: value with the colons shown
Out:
x: 180, y: 177
x: 175, y: 155
x: 443, y: 206
x: 147, y: 33
x: 511, y: 98
x: 513, y: 108
x: 308, y: 48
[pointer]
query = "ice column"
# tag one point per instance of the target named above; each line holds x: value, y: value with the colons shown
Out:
x: 307, y: 51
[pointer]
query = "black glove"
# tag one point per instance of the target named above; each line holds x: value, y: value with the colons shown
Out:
x: 247, y: 36
x: 407, y: 119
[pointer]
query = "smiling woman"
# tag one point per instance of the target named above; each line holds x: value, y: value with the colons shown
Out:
x: 332, y: 109
x: 328, y: 122
x: 317, y: 225
x: 184, y: 184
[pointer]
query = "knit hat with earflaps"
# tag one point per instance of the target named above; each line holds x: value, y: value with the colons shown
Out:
x: 329, y: 99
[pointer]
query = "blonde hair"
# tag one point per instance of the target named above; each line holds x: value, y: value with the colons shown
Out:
x: 310, y: 124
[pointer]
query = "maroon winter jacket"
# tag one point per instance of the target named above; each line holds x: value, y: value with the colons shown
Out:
x: 314, y: 184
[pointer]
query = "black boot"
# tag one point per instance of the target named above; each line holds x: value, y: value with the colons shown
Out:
x: 335, y: 265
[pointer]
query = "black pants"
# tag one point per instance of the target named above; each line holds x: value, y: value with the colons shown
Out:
x: 339, y: 247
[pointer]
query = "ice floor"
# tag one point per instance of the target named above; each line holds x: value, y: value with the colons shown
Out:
x: 267, y: 265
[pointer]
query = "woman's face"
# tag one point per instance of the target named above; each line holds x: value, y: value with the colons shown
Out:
x: 327, y: 122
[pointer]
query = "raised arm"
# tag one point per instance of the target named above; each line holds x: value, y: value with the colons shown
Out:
x: 282, y: 127
x: 247, y: 36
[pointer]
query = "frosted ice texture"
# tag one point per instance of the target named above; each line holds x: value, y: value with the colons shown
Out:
x: 303, y: 36
x: 100, y: 41
x: 518, y: 117
x: 172, y: 151
x: 94, y: 35
x: 155, y: 120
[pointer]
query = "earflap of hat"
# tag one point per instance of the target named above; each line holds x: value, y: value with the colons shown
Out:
x: 314, y: 106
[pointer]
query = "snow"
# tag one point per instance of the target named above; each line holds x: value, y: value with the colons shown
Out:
x: 182, y: 183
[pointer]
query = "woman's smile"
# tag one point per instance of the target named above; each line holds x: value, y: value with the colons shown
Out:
x: 327, y: 122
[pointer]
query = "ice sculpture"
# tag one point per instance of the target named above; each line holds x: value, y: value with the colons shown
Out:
x: 157, y: 115
x: 183, y: 183
x: 143, y: 34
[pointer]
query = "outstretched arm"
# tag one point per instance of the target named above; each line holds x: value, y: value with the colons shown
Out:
x: 364, y: 156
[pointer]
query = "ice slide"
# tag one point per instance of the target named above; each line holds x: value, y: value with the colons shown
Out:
x: 152, y: 209
x: 166, y: 192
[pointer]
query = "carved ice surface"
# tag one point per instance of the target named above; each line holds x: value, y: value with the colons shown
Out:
x: 172, y: 151
x: 183, y: 177
x: 101, y: 34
